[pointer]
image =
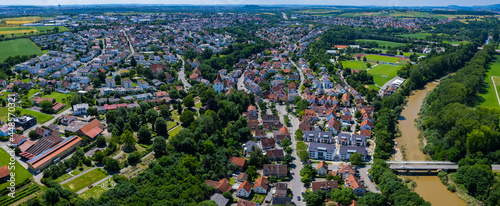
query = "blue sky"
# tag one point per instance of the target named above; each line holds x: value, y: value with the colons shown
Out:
x: 262, y: 2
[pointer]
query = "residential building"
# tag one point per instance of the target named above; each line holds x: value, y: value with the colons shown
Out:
x: 321, y: 137
x: 325, y: 185
x: 275, y: 170
x: 322, y: 151
x: 110, y: 82
x: 345, y: 152
x: 322, y: 168
x: 355, y: 184
x: 261, y: 185
x: 24, y: 122
x: 244, y: 190
x: 80, y: 109
x: 127, y: 84
x: 240, y: 162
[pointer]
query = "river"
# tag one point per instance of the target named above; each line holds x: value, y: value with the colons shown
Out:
x: 429, y: 187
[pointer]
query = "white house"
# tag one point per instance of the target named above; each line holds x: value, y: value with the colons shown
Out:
x: 261, y: 185
x: 80, y: 109
x: 244, y: 190
x: 322, y: 168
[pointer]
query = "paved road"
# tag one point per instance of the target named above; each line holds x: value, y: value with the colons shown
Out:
x: 495, y: 86
x: 387, y: 84
x: 296, y: 186
x: 129, y: 44
x: 181, y: 75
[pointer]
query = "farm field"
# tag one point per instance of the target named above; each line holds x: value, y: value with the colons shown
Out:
x: 412, y: 14
x: 382, y: 43
x: 40, y: 117
x: 487, y: 97
x: 382, y: 58
x: 18, y: 47
x: 382, y: 73
x: 356, y: 65
x: 84, y: 180
x: 27, y: 31
x: 16, y: 21
x: 415, y: 36
x: 21, y: 173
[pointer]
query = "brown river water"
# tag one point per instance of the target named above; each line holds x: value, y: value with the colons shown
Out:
x: 429, y: 187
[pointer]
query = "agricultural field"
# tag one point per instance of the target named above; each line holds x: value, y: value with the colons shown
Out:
x: 355, y: 65
x: 410, y: 14
x: 40, y: 117
x: 21, y: 173
x: 487, y: 96
x: 382, y: 58
x: 85, y: 180
x: 382, y: 43
x: 10, y: 22
x: 17, y: 47
x: 29, y: 30
x: 382, y: 73
x: 415, y: 36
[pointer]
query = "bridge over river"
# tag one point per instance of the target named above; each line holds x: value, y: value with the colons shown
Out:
x: 425, y: 167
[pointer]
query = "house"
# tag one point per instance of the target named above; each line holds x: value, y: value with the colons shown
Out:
x: 80, y: 109
x: 346, y: 170
x: 365, y: 132
x: 333, y: 125
x: 281, y: 189
x: 246, y: 203
x: 244, y: 190
x: 38, y: 100
x: 366, y: 125
x: 252, y: 110
x: 58, y: 107
x: 110, y: 82
x: 321, y: 137
x: 66, y: 119
x: 219, y: 199
x: 196, y: 75
x: 127, y: 84
x: 346, y: 100
x: 242, y: 177
x: 261, y: 185
x: 218, y: 84
x: 325, y: 185
x: 322, y: 168
x: 355, y: 184
x: 275, y: 154
x: 4, y: 174
x: 221, y: 186
x: 92, y: 129
x: 321, y: 151
x: 54, y: 154
x: 282, y: 200
x: 17, y: 140
x: 266, y: 143
x: 4, y: 130
x: 142, y: 84
x: 42, y: 132
x: 25, y: 122
x: 345, y: 152
x: 240, y: 162
x: 275, y: 170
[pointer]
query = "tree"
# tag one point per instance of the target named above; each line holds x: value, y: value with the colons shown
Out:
x: 372, y: 199
x: 128, y: 140
x: 303, y: 155
x: 159, y: 145
x: 112, y: 164
x: 227, y: 195
x: 161, y: 126
x: 46, y: 106
x: 314, y: 198
x: 165, y: 111
x: 285, y: 143
x: 357, y: 115
x: 356, y: 159
x: 133, y: 62
x: 252, y: 173
x: 32, y: 134
x: 187, y: 117
x: 188, y: 101
x: 92, y: 111
x: 52, y: 195
x: 343, y: 196
x: 306, y: 179
x: 144, y: 135
x: 299, y: 136
x: 151, y: 115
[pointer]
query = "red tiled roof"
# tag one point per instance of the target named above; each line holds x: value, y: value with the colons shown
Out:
x: 246, y: 186
x: 261, y: 182
x: 92, y: 129
x: 4, y: 171
x: 240, y: 162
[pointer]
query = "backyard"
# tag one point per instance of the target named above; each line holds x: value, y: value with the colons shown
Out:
x: 40, y: 117
x: 382, y: 73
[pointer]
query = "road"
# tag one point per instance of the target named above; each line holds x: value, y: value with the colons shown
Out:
x: 495, y: 86
x: 182, y: 76
x: 129, y: 44
x: 387, y: 84
x: 296, y: 186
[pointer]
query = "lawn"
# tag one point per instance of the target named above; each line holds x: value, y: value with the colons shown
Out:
x: 372, y: 86
x: 40, y: 117
x: 355, y: 65
x: 59, y: 98
x: 21, y: 173
x: 455, y: 42
x: 96, y: 191
x: 415, y: 36
x: 17, y: 47
x: 198, y: 105
x: 174, y: 131
x: 171, y: 124
x: 384, y: 43
x: 85, y: 180
x: 382, y: 58
x: 382, y: 73
x: 258, y: 198
x: 487, y: 97
x: 175, y: 115
x: 76, y: 171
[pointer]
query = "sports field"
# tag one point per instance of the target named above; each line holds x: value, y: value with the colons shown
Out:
x: 382, y: 43
x: 382, y: 73
x: 382, y: 58
x: 17, y: 47
x: 21, y: 173
x: 487, y: 97
x: 40, y: 117
x: 355, y: 65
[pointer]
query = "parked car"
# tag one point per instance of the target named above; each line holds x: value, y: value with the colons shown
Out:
x: 376, y: 188
x: 298, y: 198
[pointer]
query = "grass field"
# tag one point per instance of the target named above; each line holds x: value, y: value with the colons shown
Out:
x: 410, y: 14
x: 171, y: 124
x: 415, y: 36
x: 60, y: 97
x: 382, y: 73
x: 17, y: 47
x: 85, y: 180
x: 27, y: 30
x: 487, y: 97
x: 175, y: 131
x: 40, y: 117
x: 21, y: 173
x: 372, y: 86
x: 384, y: 43
x: 76, y: 171
x: 382, y: 58
x: 95, y: 191
x: 356, y: 65
x: 455, y: 42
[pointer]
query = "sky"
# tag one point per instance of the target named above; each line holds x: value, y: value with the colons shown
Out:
x: 262, y: 2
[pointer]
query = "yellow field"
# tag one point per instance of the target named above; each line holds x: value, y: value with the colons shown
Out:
x: 19, y: 20
x: 27, y: 31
